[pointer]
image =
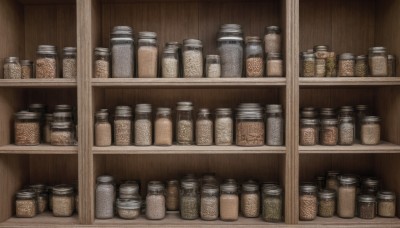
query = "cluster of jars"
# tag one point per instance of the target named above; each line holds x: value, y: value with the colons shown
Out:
x: 36, y: 126
x: 320, y: 62
x: 45, y: 66
x: 254, y: 127
x: 342, y: 126
x: 61, y: 200
x: 193, y: 197
x: 186, y: 59
x: 346, y: 196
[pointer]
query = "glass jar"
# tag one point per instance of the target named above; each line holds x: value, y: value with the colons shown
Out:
x: 204, y: 128
x: 326, y: 203
x: 69, y: 62
x: 62, y: 117
x: 366, y: 206
x: 223, y: 127
x: 128, y: 208
x: 170, y: 63
x: 331, y: 65
x: 346, y: 65
x: 42, y: 202
x: 274, y: 65
x: 308, y: 204
x: 46, y: 62
x: 12, y: 68
x: 370, y: 185
x: 184, y: 123
x: 346, y: 111
x: 147, y: 55
x: 254, y: 57
x: 101, y: 62
x: 209, y: 203
x: 321, y: 53
x: 309, y: 132
x: 213, y: 66
x: 178, y: 47
x: 62, y: 134
x: 63, y: 201
x: 27, y: 128
x: 391, y: 59
x: 361, y: 66
x: 327, y: 113
x: 163, y: 132
x: 250, y: 200
x: 229, y: 202
x: 308, y: 65
x: 371, y: 130
x: 361, y: 112
x: 378, y: 62
x: 26, y: 69
x: 155, y: 201
x: 123, y: 126
x: 332, y: 180
x: 143, y: 125
x: 346, y: 131
x: 273, y: 39
x: 172, y: 195
x: 105, y: 197
x: 272, y: 203
x: 250, y: 128
x: 102, y: 130
x: 321, y: 182
x: 347, y: 192
x: 230, y: 49
x: 189, y: 200
x: 192, y: 58
x: 386, y: 204
x: 274, y: 125
x: 25, y: 204
x: 329, y: 132
x: 47, y: 128
x: 129, y: 191
x: 122, y: 52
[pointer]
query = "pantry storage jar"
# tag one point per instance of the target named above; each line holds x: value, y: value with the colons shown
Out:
x: 189, y: 199
x: 250, y: 128
x: 128, y: 208
x: 213, y: 66
x: 170, y: 63
x: 101, y: 62
x: 12, y: 68
x: 272, y: 39
x: 129, y: 191
x: 122, y: 52
x: 105, y: 197
x: 274, y: 125
x: 274, y: 65
x: 209, y: 203
x: 346, y: 65
x: 347, y: 192
x: 155, y: 201
x: 163, y: 132
x: 361, y: 66
x: 123, y: 126
x: 184, y: 123
x: 308, y: 65
x: 332, y: 180
x: 378, y: 62
x: 42, y: 202
x: 178, y: 49
x: 62, y: 134
x: 386, y: 204
x: 272, y: 203
x: 25, y: 204
x: 172, y: 195
x: 229, y: 202
x: 254, y: 57
x: 250, y: 200
x: 63, y: 201
x: 391, y: 65
x: 366, y: 206
x: 308, y: 204
x: 230, y: 48
x: 371, y: 130
x: 27, y: 128
x: 204, y: 128
x: 346, y: 131
x: 46, y: 62
x: 329, y: 132
x: 147, y: 55
x: 143, y: 125
x: 69, y: 62
x: 326, y: 203
x: 331, y: 65
x: 321, y: 182
x: 370, y: 185
x: 223, y: 127
x: 102, y: 130
x: 309, y: 132
x: 62, y: 117
x: 192, y: 58
x: 26, y: 69
x: 321, y: 53
x: 327, y: 113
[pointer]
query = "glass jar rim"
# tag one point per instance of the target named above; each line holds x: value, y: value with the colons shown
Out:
x: 191, y: 41
x: 386, y: 195
x: 308, y: 188
x: 62, y: 114
x: 273, y: 108
x: 11, y: 59
x: 347, y: 179
x: 62, y: 107
x: 222, y: 111
x: 105, y: 179
x: 143, y: 108
x: 273, y: 28
x: 210, y: 189
x: 128, y: 188
x: 26, y: 194
x: 172, y: 182
x: 374, y: 119
x: 366, y: 198
x: 204, y: 111
x: 250, y: 187
x: 101, y: 51
x: 24, y: 115
x: 102, y: 115
x: 329, y: 121
x: 347, y: 56
x: 228, y: 187
x: 327, y: 194
x: 147, y: 35
x: 272, y: 190
x: 63, y: 189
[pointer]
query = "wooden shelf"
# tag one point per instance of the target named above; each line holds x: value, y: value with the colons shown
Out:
x: 384, y: 147
x: 377, y: 222
x: 38, y: 83
x: 40, y: 149
x: 43, y: 220
x: 189, y: 150
x: 353, y: 81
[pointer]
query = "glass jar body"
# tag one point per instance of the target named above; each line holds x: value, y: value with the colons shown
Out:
x: 184, y: 127
x: 272, y: 207
x: 123, y: 130
x: 346, y: 207
x: 46, y: 66
x: 254, y: 59
x: 69, y: 65
x: 163, y: 129
x: 27, y: 132
x: 231, y: 53
x: 147, y: 58
x: 122, y: 55
x: 105, y: 198
x: 170, y: 64
x: 192, y: 61
x: 143, y: 129
x: 103, y: 132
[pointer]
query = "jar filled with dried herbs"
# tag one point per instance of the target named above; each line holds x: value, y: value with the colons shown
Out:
x: 63, y: 201
x: 209, y: 202
x: 122, y: 52
x: 192, y: 58
x: 27, y: 128
x: 69, y: 62
x: 371, y: 130
x: 254, y: 57
x: 329, y: 132
x: 213, y: 66
x: 308, y: 203
x: 101, y: 62
x: 229, y: 202
x: 123, y: 126
x: 230, y: 48
x: 155, y: 200
x: 223, y: 127
x: 204, y: 128
x: 326, y: 203
x: 25, y: 204
x: 163, y: 127
x: 346, y: 194
x: 346, y: 65
x: 189, y: 200
x: 250, y: 128
x: 46, y: 62
x: 184, y: 123
x: 386, y: 204
x: 309, y: 132
x: 143, y: 125
x: 378, y: 62
x: 366, y: 206
x: 361, y: 66
x: 274, y: 125
x: 26, y: 69
x: 272, y: 203
x: 147, y: 55
x: 12, y: 68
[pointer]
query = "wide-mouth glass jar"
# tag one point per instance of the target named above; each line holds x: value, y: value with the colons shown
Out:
x: 274, y: 65
x: 12, y: 68
x: 309, y: 132
x: 147, y: 55
x: 128, y: 208
x: 189, y: 200
x: 386, y: 204
x: 209, y: 203
x: 326, y: 203
x: 308, y: 203
x: 329, y: 132
x: 272, y: 203
x: 378, y: 61
x: 155, y: 201
x: 366, y: 206
x: 346, y: 65
x: 69, y: 62
x: 27, y: 128
x: 25, y: 204
x: 122, y: 52
x: 250, y: 200
x: 63, y: 200
x: 371, y: 130
x: 46, y: 62
x: 250, y: 127
x: 62, y: 134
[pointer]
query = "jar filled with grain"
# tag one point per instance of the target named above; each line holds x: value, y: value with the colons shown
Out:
x: 163, y: 132
x: 308, y: 204
x: 209, y: 203
x: 272, y: 203
x: 101, y: 62
x: 204, y: 128
x: 361, y: 112
x: 155, y: 201
x: 391, y: 65
x: 326, y: 203
x: 184, y: 123
x: 172, y: 195
x: 105, y: 197
x: 250, y: 200
x: 273, y: 39
x: 223, y: 127
x: 128, y: 208
x: 321, y: 53
x: 123, y: 126
x: 25, y: 204
x: 122, y: 52
x: 361, y: 66
x: 370, y: 185
x: 143, y: 125
x: 366, y: 206
x: 213, y: 66
x: 102, y: 130
x: 309, y: 132
x: 69, y: 62
x: 254, y: 57
x: 41, y: 197
x: 229, y: 202
x: 308, y: 65
x: 12, y: 68
x: 26, y: 69
x: 189, y: 199
x: 274, y: 125
x: 346, y: 131
x: 46, y: 62
x: 230, y: 48
x: 170, y: 63
x: 274, y: 65
x: 192, y: 58
x: 62, y: 134
x: 147, y: 55
x: 27, y: 128
x: 347, y: 192
x: 178, y: 48
x: 129, y: 191
x: 332, y: 180
x: 346, y: 65
x: 329, y: 132
x: 371, y: 130
x: 378, y: 62
x: 386, y: 204
x: 63, y: 200
x: 250, y: 128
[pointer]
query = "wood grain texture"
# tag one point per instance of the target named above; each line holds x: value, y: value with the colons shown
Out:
x: 38, y: 83
x: 383, y: 147
x: 353, y: 81
x: 40, y: 149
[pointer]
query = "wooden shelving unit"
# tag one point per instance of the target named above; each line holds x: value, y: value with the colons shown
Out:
x: 344, y: 25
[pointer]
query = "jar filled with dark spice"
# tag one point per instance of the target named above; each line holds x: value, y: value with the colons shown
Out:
x: 189, y: 199
x: 123, y: 126
x: 223, y: 127
x: 391, y: 65
x: 12, y: 68
x: 192, y: 58
x: 101, y: 62
x: 26, y: 69
x: 204, y: 128
x: 155, y: 201
x: 386, y: 204
x: 273, y: 39
x: 63, y: 200
x: 308, y: 203
x: 147, y: 55
x: 209, y: 203
x: 184, y: 123
x: 128, y: 208
x: 332, y: 180
x: 346, y: 65
x: 308, y: 65
x: 346, y: 131
x: 370, y: 185
x: 46, y: 62
x: 378, y: 62
x: 172, y: 195
x: 27, y: 128
x: 254, y: 57
x: 163, y: 127
x: 143, y: 125
x: 274, y: 66
x: 274, y: 125
x: 366, y: 206
x: 361, y: 66
x: 229, y: 202
x: 25, y: 204
x: 250, y: 200
x: 272, y: 203
x: 122, y: 52
x: 361, y: 112
x: 371, y: 130
x: 69, y: 62
x: 326, y: 203
x: 321, y: 53
x: 170, y: 63
x: 346, y: 194
x: 250, y: 128
x: 230, y: 48
x: 105, y: 197
x: 329, y: 132
x: 309, y: 132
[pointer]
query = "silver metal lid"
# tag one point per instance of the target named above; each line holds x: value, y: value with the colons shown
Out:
x: 346, y: 109
x: 63, y: 107
x: 309, y: 114
x: 371, y: 119
x: 391, y: 57
x: 347, y: 56
x: 37, y: 106
x: 309, y: 121
x: 327, y: 194
x: 105, y: 179
x: 11, y: 60
x: 204, y: 111
x: 272, y: 190
x: 228, y: 187
x: 308, y: 188
x: 122, y: 30
x: 155, y: 186
x: 250, y: 187
x: 147, y: 35
x: 273, y: 108
x: 129, y: 204
x: 386, y: 195
x: 192, y: 42
x: 62, y: 115
x: 347, y: 119
x: 189, y: 184
x: 102, y: 115
x: 210, y: 189
x: 309, y: 55
x: 47, y: 49
x: 213, y: 57
x: 172, y: 182
x: 69, y: 50
x: 123, y: 107
x: 223, y: 111
x: 26, y: 194
x: 170, y: 50
x: 321, y: 48
x: 128, y: 189
x: 273, y: 28
x: 230, y: 26
x: 329, y: 121
x: 38, y: 187
x: 24, y: 115
x: 102, y: 51
x: 62, y: 125
x: 143, y: 108
x: 63, y: 189
x: 361, y: 107
x: 366, y: 198
x: 347, y: 179
x: 377, y: 50
x: 164, y: 110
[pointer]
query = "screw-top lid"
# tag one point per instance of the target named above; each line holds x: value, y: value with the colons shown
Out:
x: 129, y: 203
x: 329, y: 121
x: 321, y: 48
x: 173, y: 44
x: 377, y: 50
x: 105, y: 179
x: 250, y: 187
x: 192, y: 42
x: 147, y: 35
x: 189, y: 184
x: 361, y: 57
x: 390, y: 57
x: 143, y: 108
x: 173, y: 182
x: 129, y: 189
x: 229, y: 187
x: 273, y: 29
x: 230, y: 26
x: 308, y: 55
x: 63, y: 189
x: 327, y: 194
x: 253, y: 39
x: 102, y: 115
x: 184, y: 106
x: 101, y: 51
x: 155, y: 186
x: 213, y: 57
x: 230, y: 180
x: 370, y: 181
x: 170, y: 50
x: 223, y: 111
x: 69, y: 50
x: 267, y: 184
x: 374, y: 119
x: 347, y: 179
x: 308, y: 188
x: 165, y: 111
x: 210, y: 189
x: 204, y: 111
x: 309, y: 121
x: 47, y: 49
x: 386, y: 195
x: 366, y: 198
x: 346, y: 109
x: 273, y: 108
x: 272, y: 190
x: 11, y: 60
x: 24, y: 115
x: 122, y: 30
x: 63, y: 108
x: 57, y: 115
x: 26, y: 194
x: 347, y: 56
x: 346, y: 119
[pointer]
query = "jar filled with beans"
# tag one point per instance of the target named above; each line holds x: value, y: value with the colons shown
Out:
x: 192, y: 58
x: 309, y: 132
x: 346, y: 131
x: 128, y: 208
x: 229, y: 202
x: 346, y: 65
x: 378, y: 62
x: 101, y: 62
x: 250, y: 200
x: 123, y: 126
x: 250, y: 128
x: 346, y: 194
x: 143, y: 125
x: 25, y: 204
x: 366, y: 206
x: 326, y: 203
x: 172, y: 195
x: 155, y: 200
x: 371, y: 130
x: 223, y: 127
x: 386, y: 204
x: 209, y: 202
x: 272, y: 203
x: 184, y: 123
x: 204, y: 128
x: 189, y: 199
x: 254, y: 57
x: 308, y: 203
x: 163, y: 127
x: 12, y: 68
x: 329, y: 132
x: 27, y: 128
x: 63, y: 201
x: 105, y: 197
x: 46, y: 62
x: 321, y: 53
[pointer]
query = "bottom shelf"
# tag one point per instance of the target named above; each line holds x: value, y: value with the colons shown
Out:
x: 45, y: 219
x: 354, y: 221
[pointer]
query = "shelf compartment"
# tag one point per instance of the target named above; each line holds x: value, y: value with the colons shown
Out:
x: 38, y: 83
x: 39, y: 149
x: 353, y: 81
x: 383, y: 147
x: 378, y: 222
x: 45, y: 219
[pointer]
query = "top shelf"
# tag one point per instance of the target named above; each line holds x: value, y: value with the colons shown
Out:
x: 351, y: 81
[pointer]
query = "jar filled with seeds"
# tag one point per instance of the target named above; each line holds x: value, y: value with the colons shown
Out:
x: 308, y: 65
x: 143, y: 125
x: 386, y: 204
x: 184, y: 123
x: 361, y: 66
x: 163, y: 127
x: 26, y: 69
x: 46, y: 62
x: 308, y: 204
x: 63, y: 201
x: 102, y: 130
x: 105, y: 197
x: 332, y: 180
x: 273, y: 39
x: 229, y: 202
x: 147, y: 55
x: 12, y: 68
x: 25, y: 204
x: 346, y: 65
x: 346, y: 194
x: 254, y: 57
x: 274, y: 125
x: 101, y: 62
x: 122, y: 52
x: 123, y: 126
x: 321, y: 53
x: 366, y: 206
x: 274, y: 65
x: 129, y: 191
x: 62, y: 134
x: 192, y: 58
x: 213, y: 66
x: 361, y: 112
x: 391, y: 65
x: 223, y: 127
x: 326, y: 203
x: 371, y: 130
x: 346, y: 131
x: 155, y: 201
x: 250, y: 200
x: 378, y: 62
x: 309, y: 132
x: 204, y: 128
x: 27, y: 128
x: 178, y: 48
x: 172, y: 195
x: 128, y: 208
x: 370, y: 186
x: 170, y: 63
x: 230, y: 48
x: 272, y: 203
x: 329, y: 132
x: 189, y: 200
x: 209, y: 203
x: 250, y: 128
x: 69, y: 63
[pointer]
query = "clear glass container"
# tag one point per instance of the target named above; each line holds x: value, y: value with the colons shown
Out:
x: 170, y: 63
x: 27, y: 128
x: 128, y: 208
x: 62, y: 134
x: 204, y: 128
x: 308, y: 65
x: 223, y: 127
x: 209, y: 203
x: 163, y: 127
x: 274, y: 65
x: 386, y: 204
x: 122, y: 52
x: 143, y: 125
x: 274, y: 125
x: 326, y: 203
x: 273, y: 39
x: 371, y: 130
x: 147, y: 55
x: 105, y: 197
x: 189, y: 200
x: 102, y: 130
x: 101, y: 62
x: 178, y: 47
x: 155, y: 201
x: 346, y: 65
x: 184, y: 123
x: 25, y: 204
x: 213, y: 66
x: 346, y: 194
x: 230, y: 49
x: 69, y: 62
x: 309, y: 132
x: 26, y: 69
x: 370, y: 185
x: 192, y: 58
x: 378, y: 62
x: 123, y: 126
x: 12, y: 68
x: 346, y: 131
x: 361, y: 68
x: 321, y: 53
x: 329, y: 132
x: 46, y: 62
x: 42, y: 202
x: 332, y: 180
x: 129, y: 191
x: 366, y: 206
x: 272, y: 203
x: 229, y: 202
x: 391, y: 65
x: 361, y: 112
x: 308, y: 203
x: 63, y: 200
x: 250, y: 200
x: 172, y: 195
x: 254, y: 57
x: 250, y: 127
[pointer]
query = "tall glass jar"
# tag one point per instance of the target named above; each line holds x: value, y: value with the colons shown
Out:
x: 347, y: 192
x: 163, y: 132
x: 101, y: 62
x: 69, y: 62
x: 184, y: 123
x: 209, y: 203
x: 274, y: 125
x: 274, y: 65
x: 204, y: 128
x: 170, y: 63
x: 329, y: 132
x: 102, y: 130
x: 346, y: 65
x: 386, y: 204
x: 123, y: 126
x: 346, y: 131
x: 147, y: 55
x: 309, y: 132
x: 230, y: 48
x: 172, y: 195
x: 155, y: 201
x: 366, y: 206
x: 371, y: 130
x: 308, y: 203
x: 26, y: 69
x: 178, y: 47
x: 46, y: 62
x: 250, y: 200
x: 192, y: 58
x: 272, y: 203
x: 391, y: 65
x: 361, y: 112
x: 122, y: 52
x: 25, y: 204
x: 308, y: 65
x: 12, y: 68
x: 370, y: 185
x: 143, y: 125
x: 273, y: 39
x: 62, y: 134
x: 27, y: 128
x: 321, y: 53
x: 332, y: 180
x: 189, y: 200
x: 254, y: 57
x: 63, y: 201
x: 378, y: 63
x: 250, y: 128
x: 326, y: 203
x: 223, y: 127
x: 229, y: 202
x: 105, y: 197
x: 361, y: 68
x: 213, y: 66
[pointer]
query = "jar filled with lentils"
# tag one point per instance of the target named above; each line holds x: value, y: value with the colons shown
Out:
x: 229, y: 202
x: 46, y: 62
x: 101, y: 62
x: 209, y: 203
x: 378, y: 63
x: 204, y: 128
x: 25, y: 204
x: 62, y: 133
x: 12, y: 68
x: 192, y: 58
x: 254, y: 57
x: 213, y: 66
x: 386, y: 204
x: 143, y: 125
x: 69, y: 63
x: 346, y: 194
x: 346, y: 131
x: 361, y: 66
x: 308, y: 65
x: 170, y: 63
x: 105, y: 197
x: 128, y: 208
x: 26, y: 69
x: 155, y: 201
x: 326, y: 203
x: 189, y: 200
x: 329, y: 132
x: 184, y: 123
x: 332, y: 180
x: 250, y: 200
x: 172, y: 195
x: 123, y: 126
x: 63, y: 201
x: 274, y: 65
x: 309, y: 132
x: 366, y: 206
x: 223, y: 127
x: 27, y: 128
x: 122, y: 52
x: 272, y: 203
x: 371, y: 130
x: 250, y: 128
x: 230, y: 48
x: 308, y: 204
x: 163, y: 127
x: 274, y: 125
x: 102, y: 130
x: 147, y: 55
x: 346, y: 65
x: 273, y: 39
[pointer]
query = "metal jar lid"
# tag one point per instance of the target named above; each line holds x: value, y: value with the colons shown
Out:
x: 374, y: 119
x: 347, y: 119
x: 147, y: 35
x: 366, y: 198
x: 63, y: 107
x: 192, y: 42
x: 250, y: 187
x: 189, y: 184
x: 230, y: 26
x: 273, y: 108
x: 63, y: 189
x: 377, y: 50
x: 272, y: 190
x: 47, y: 49
x: 370, y: 181
x: 11, y: 60
x: 26, y: 194
x: 38, y: 188
x: 105, y: 179
x: 329, y: 121
x: 223, y: 111
x: 24, y: 115
x: 143, y: 108
x: 346, y: 109
x: 361, y: 57
x: 69, y: 50
x: 386, y: 195
x: 122, y: 30
x: 309, y: 114
x: 273, y: 29
x: 309, y: 121
x: 170, y: 50
x: 347, y: 179
x: 123, y: 113
x: 346, y: 56
x: 327, y: 194
x: 165, y: 111
x: 204, y: 111
x: 130, y: 204
x: 102, y: 51
x: 228, y: 187
x: 321, y: 48
x: 62, y: 125
x: 129, y: 189
x: 173, y: 182
x: 62, y: 115
x: 210, y: 189
x: 37, y: 106
x: 253, y: 39
x: 308, y: 188
x: 155, y: 186
x: 102, y: 115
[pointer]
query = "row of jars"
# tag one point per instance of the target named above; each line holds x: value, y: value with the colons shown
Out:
x: 35, y: 126
x: 186, y: 60
x: 332, y: 127
x: 253, y: 126
x: 61, y: 200
x: 320, y: 62
x: 45, y: 66
x: 194, y: 198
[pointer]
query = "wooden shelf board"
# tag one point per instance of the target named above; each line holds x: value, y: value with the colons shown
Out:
x: 38, y: 83
x: 39, y: 149
x: 377, y: 221
x: 43, y: 220
x: 383, y: 147
x: 175, y: 149
x: 351, y: 81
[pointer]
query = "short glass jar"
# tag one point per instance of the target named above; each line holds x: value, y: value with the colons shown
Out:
x: 123, y: 126
x: 170, y: 63
x: 346, y: 131
x: 184, y: 123
x: 69, y: 62
x: 122, y: 52
x: 230, y: 49
x: 274, y: 125
x: 101, y: 62
x: 250, y: 200
x: 209, y: 203
x: 192, y: 58
x: 27, y: 128
x: 346, y: 194
x: 366, y: 206
x: 223, y: 127
x: 332, y: 180
x: 46, y: 62
x: 155, y: 201
x: 204, y: 128
x: 361, y: 67
x: 274, y: 65
x: 273, y: 39
x: 346, y: 65
x: 26, y: 69
x: 128, y: 208
x: 147, y: 55
x: 308, y: 203
x: 105, y: 197
x: 371, y: 130
x: 309, y: 132
x: 25, y: 204
x: 213, y: 66
x: 12, y: 68
x: 250, y: 127
x: 172, y: 195
x: 62, y: 134
x: 378, y: 61
x: 143, y: 125
x: 391, y: 66
x: 386, y: 204
x: 326, y: 203
x: 178, y: 48
x: 189, y: 200
x: 329, y: 132
x: 254, y: 57
x: 163, y: 127
x: 63, y: 200
x: 229, y: 202
x: 102, y: 130
x: 272, y: 203
x: 370, y: 185
x: 308, y: 65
